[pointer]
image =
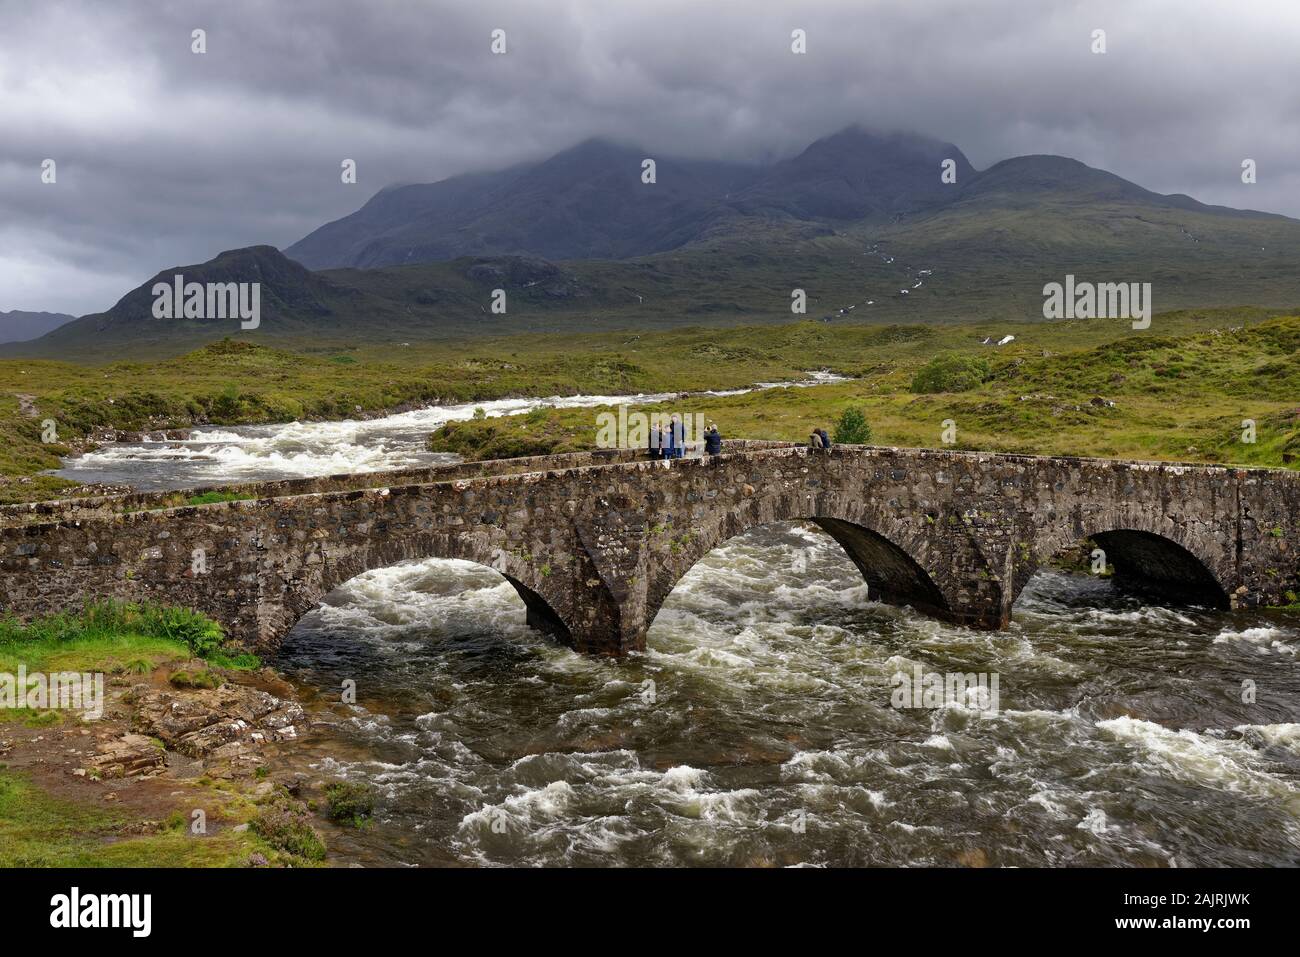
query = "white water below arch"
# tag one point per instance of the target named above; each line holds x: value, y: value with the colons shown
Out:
x: 767, y: 736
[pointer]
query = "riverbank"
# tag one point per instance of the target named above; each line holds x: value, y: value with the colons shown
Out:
x: 172, y: 756
x: 49, y: 410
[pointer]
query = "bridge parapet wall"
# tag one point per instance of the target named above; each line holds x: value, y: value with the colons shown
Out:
x: 91, y: 508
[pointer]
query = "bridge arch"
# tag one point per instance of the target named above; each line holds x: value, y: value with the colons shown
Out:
x: 930, y: 563
x: 1155, y: 557
x: 546, y: 606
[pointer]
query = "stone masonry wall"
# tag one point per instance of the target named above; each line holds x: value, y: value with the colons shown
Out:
x: 595, y: 542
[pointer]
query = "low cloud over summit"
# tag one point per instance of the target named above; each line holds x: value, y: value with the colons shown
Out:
x: 166, y: 156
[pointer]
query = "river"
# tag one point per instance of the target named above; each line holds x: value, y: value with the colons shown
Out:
x: 255, y: 453
x: 757, y: 728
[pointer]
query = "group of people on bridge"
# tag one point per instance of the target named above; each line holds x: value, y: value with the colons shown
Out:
x: 668, y: 439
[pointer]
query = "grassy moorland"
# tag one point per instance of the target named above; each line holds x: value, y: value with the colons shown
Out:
x: 1178, y: 390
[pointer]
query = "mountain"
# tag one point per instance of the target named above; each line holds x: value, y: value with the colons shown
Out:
x: 19, y: 326
x: 1028, y: 180
x: 861, y: 221
x: 589, y: 202
x: 855, y: 174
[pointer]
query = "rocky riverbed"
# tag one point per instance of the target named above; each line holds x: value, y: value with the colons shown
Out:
x: 185, y: 749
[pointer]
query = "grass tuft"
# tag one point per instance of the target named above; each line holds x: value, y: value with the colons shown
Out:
x: 116, y: 636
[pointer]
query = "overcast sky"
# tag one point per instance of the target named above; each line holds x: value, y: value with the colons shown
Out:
x: 166, y: 157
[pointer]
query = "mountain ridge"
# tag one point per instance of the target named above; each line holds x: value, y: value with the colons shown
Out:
x: 588, y: 201
x: 882, y: 240
x: 19, y: 325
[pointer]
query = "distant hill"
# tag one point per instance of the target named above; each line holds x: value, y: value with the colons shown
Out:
x: 19, y: 326
x: 308, y: 307
x: 855, y: 174
x: 294, y: 301
x: 861, y: 221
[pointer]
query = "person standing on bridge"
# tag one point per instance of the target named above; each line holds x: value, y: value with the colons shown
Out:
x: 656, y: 438
x: 713, y: 440
x: 677, y: 437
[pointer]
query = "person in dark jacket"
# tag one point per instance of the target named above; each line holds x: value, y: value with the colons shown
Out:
x: 713, y: 440
x: 826, y: 439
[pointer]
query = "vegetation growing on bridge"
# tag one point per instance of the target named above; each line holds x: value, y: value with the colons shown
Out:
x: 211, y: 498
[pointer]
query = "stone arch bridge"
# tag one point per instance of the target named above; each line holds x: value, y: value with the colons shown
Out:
x: 594, y: 542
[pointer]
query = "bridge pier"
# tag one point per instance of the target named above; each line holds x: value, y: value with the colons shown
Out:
x: 896, y: 578
x: 539, y: 615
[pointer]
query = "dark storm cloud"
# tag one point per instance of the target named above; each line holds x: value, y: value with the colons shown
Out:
x: 167, y: 157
